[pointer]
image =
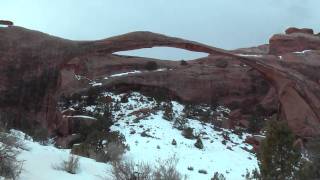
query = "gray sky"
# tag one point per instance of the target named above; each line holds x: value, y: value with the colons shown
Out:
x: 226, y: 24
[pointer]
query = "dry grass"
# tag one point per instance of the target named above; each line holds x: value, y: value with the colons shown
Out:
x: 164, y: 170
x: 71, y: 165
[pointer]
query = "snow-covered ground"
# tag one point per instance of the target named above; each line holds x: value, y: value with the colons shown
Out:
x: 135, y: 118
x: 229, y: 159
x: 40, y: 163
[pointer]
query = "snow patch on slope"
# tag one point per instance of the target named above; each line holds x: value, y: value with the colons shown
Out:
x: 40, y: 160
x: 230, y: 158
x: 126, y: 73
x: 140, y: 116
x: 133, y: 72
x: 249, y: 55
x: 301, y: 52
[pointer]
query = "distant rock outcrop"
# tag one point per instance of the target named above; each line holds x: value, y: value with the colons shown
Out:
x: 294, y: 40
x: 6, y: 23
x: 35, y: 69
x: 297, y: 30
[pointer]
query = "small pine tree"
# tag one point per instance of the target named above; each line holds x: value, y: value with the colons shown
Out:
x: 278, y: 158
x: 218, y: 176
x: 76, y: 98
x: 187, y: 110
x: 65, y: 101
x: 205, y: 116
x: 174, y: 142
x: 107, y: 118
x: 255, y: 123
x: 308, y: 171
x: 199, y: 143
x: 310, y: 168
x: 183, y: 63
x: 254, y: 175
x: 151, y: 66
x: 180, y: 122
x: 93, y: 94
x: 168, y: 111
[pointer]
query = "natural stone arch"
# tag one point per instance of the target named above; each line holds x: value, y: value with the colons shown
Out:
x: 290, y: 85
x: 53, y: 52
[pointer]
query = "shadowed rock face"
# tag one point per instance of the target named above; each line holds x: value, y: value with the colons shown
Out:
x: 36, y: 68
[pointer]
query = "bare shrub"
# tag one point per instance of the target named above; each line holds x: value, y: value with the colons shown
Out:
x: 114, y: 151
x: 102, y: 146
x: 128, y: 170
x: 166, y: 170
x: 71, y: 165
x: 10, y: 147
x: 180, y: 122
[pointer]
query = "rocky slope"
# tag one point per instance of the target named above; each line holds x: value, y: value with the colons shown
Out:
x: 36, y: 69
x: 151, y: 139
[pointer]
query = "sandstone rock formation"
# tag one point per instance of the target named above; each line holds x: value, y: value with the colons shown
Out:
x: 294, y: 40
x: 297, y: 30
x: 35, y: 69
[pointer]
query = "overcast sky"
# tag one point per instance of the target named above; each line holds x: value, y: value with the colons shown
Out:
x: 226, y: 24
